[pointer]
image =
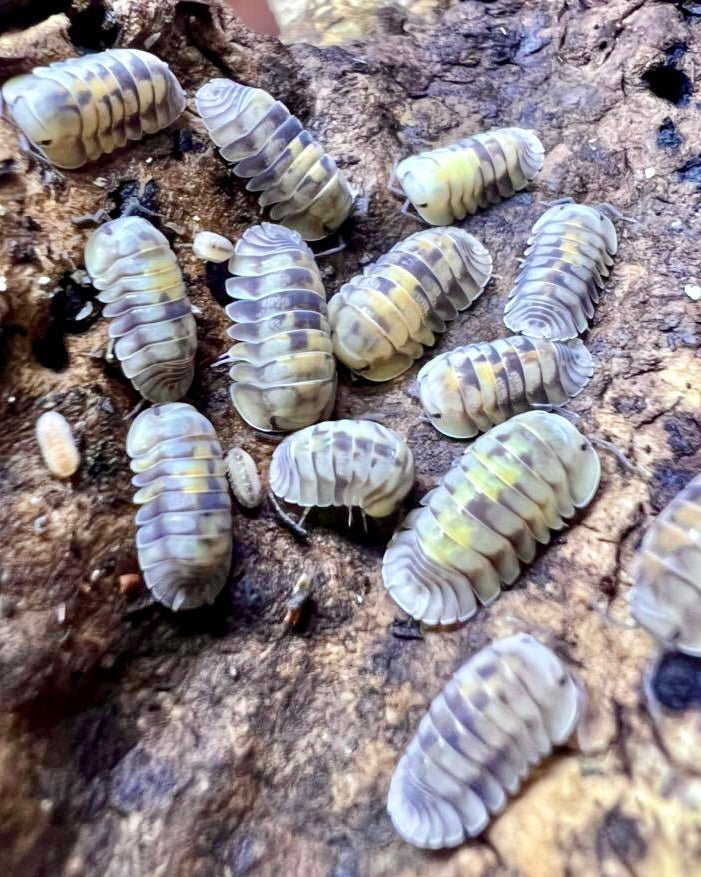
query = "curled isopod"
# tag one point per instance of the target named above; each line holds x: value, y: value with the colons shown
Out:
x: 212, y: 247
x: 284, y: 371
x: 299, y: 181
x: 453, y: 181
x: 57, y: 444
x: 473, y: 388
x: 74, y: 111
x: 184, y: 541
x: 499, y: 717
x: 150, y: 314
x: 569, y: 254
x: 382, y: 318
x: 343, y: 463
x: 244, y: 478
x: 666, y: 595
x: 506, y: 493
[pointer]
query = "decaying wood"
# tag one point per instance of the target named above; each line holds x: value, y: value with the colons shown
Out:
x: 135, y: 742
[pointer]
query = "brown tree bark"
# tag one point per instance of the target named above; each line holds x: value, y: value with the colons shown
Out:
x: 138, y: 742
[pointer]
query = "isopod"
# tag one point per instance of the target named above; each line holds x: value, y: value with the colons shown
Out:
x: 453, y: 181
x: 284, y: 371
x: 499, y: 716
x: 569, y: 254
x: 473, y: 388
x: 343, y: 463
x: 517, y: 482
x: 244, y: 478
x: 184, y: 539
x: 666, y: 595
x: 212, y: 247
x: 382, y: 319
x: 57, y: 444
x: 150, y: 314
x: 74, y: 111
x: 298, y: 180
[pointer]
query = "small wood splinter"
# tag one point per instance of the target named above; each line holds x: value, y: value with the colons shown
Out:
x: 296, y: 601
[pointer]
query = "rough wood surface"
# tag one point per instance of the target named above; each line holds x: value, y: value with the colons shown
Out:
x: 137, y: 742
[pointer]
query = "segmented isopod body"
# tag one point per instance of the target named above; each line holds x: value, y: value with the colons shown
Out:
x: 184, y: 540
x: 568, y: 256
x: 57, y: 445
x: 284, y: 371
x: 74, y: 111
x: 453, y: 181
x: 150, y: 315
x: 503, y: 496
x: 343, y: 463
x: 473, y: 388
x: 382, y: 318
x: 298, y: 180
x: 212, y: 247
x: 666, y: 595
x: 498, y: 717
x: 244, y: 478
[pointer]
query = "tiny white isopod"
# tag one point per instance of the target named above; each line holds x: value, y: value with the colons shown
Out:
x: 244, y: 478
x: 212, y: 247
x: 57, y: 444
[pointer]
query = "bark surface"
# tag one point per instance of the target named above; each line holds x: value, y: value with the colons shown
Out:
x: 138, y: 742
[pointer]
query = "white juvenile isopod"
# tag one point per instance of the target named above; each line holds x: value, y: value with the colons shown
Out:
x: 212, y: 247
x: 244, y: 478
x: 57, y: 445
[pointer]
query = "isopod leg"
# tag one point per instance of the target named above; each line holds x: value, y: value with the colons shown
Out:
x: 406, y: 210
x: 288, y: 520
x: 135, y: 410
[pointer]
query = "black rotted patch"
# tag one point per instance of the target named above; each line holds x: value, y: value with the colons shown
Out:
x: 93, y: 28
x: 677, y: 681
x: 186, y: 141
x: 666, y: 483
x: 666, y: 81
x: 71, y: 312
x: 620, y: 835
x: 216, y: 275
x: 667, y: 135
x: 691, y: 171
x: 690, y: 9
x: 131, y: 199
x: 683, y: 435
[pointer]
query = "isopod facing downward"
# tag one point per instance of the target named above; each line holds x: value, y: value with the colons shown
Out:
x: 57, y: 445
x: 184, y: 540
x: 498, y: 717
x: 244, y: 478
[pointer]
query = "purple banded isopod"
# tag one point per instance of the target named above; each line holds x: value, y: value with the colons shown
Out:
x: 299, y: 181
x: 473, y: 388
x: 284, y: 371
x: 343, y: 463
x: 74, y: 111
x: 500, y: 715
x: 146, y: 302
x: 514, y: 485
x: 184, y: 540
x: 666, y: 595
x: 453, y: 181
x: 382, y: 318
x: 569, y: 254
